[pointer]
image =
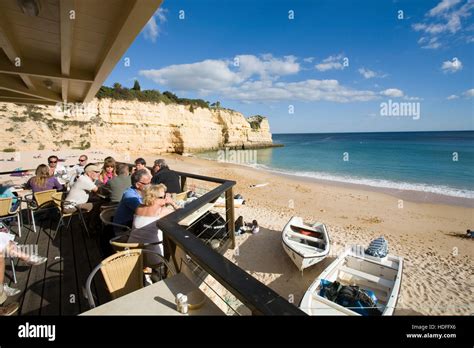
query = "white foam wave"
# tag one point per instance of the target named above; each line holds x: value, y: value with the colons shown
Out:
x: 380, y: 183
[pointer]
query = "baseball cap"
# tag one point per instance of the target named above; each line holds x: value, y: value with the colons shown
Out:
x: 92, y: 168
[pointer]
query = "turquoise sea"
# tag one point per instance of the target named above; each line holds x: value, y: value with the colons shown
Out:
x: 436, y: 162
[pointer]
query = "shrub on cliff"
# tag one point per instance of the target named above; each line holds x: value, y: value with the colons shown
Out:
x: 118, y: 92
x: 255, y: 121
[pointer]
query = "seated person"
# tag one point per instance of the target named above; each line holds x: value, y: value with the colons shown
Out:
x: 116, y: 186
x: 57, y: 170
x: 6, y: 191
x: 78, y: 169
x: 164, y: 175
x: 131, y: 199
x: 108, y: 170
x: 78, y: 197
x: 42, y: 181
x: 152, y: 209
x: 8, y: 247
x: 140, y: 163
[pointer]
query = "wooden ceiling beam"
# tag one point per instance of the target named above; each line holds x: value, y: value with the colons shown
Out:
x: 42, y: 70
x: 130, y: 26
x: 67, y: 36
x: 11, y: 49
x: 12, y: 84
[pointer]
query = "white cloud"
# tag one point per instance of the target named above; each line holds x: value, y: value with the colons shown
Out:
x: 392, y: 92
x: 443, y: 6
x: 368, y: 74
x: 444, y: 19
x: 266, y: 67
x: 332, y: 63
x: 152, y: 30
x: 208, y: 75
x: 432, y: 43
x: 307, y: 90
x: 452, y: 96
x: 469, y: 93
x: 308, y: 60
x: 452, y: 65
x: 257, y: 79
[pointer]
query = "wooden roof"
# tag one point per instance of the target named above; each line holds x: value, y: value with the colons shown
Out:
x: 63, y: 50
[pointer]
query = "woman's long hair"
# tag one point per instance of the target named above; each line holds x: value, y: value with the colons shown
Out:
x: 42, y: 175
x: 108, y: 162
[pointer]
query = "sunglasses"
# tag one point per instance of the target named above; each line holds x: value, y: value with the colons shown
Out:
x: 53, y: 161
x: 82, y: 160
x: 144, y: 183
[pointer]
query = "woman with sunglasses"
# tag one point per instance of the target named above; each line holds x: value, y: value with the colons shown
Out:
x: 154, y: 207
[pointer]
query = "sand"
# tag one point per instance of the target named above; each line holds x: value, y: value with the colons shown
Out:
x: 438, y: 277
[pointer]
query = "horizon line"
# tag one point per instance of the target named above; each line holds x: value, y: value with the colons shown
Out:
x: 424, y: 131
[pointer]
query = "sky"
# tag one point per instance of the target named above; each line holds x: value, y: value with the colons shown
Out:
x: 315, y: 66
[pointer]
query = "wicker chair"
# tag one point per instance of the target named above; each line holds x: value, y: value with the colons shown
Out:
x: 40, y: 201
x: 6, y: 212
x: 123, y: 273
x: 59, y: 201
x: 107, y: 217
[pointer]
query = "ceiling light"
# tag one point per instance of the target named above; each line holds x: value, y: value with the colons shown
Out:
x: 48, y: 83
x: 29, y: 7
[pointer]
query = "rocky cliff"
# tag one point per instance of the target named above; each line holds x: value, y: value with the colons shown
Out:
x: 129, y: 126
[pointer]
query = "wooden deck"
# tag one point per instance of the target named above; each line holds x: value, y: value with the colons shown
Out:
x: 57, y: 286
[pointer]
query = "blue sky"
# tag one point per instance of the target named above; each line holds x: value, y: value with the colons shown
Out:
x: 333, y: 64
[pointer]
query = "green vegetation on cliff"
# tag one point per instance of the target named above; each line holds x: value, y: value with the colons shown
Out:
x: 118, y: 92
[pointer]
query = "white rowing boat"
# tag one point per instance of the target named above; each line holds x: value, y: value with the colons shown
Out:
x: 382, y: 276
x: 305, y: 245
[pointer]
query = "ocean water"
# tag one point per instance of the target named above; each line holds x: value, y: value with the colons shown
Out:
x: 436, y: 162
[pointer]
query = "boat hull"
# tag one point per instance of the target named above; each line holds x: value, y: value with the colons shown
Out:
x: 299, y: 242
x: 353, y: 267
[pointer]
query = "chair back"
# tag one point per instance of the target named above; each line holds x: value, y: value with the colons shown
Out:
x: 121, y: 243
x: 58, y: 199
x: 5, y: 206
x: 107, y: 217
x: 123, y: 272
x: 44, y: 197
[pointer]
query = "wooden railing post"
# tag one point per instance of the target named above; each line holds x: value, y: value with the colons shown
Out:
x: 183, y: 182
x: 229, y: 215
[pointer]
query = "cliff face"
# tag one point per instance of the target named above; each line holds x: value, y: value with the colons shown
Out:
x: 129, y: 126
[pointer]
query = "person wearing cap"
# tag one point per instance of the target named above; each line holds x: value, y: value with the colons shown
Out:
x: 164, y: 175
x: 78, y: 197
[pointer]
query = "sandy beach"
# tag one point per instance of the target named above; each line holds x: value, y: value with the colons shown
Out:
x: 438, y: 277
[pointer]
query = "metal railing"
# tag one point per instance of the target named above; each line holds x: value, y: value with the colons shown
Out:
x: 259, y: 298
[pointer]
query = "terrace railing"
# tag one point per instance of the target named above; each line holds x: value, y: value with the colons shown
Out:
x: 256, y: 296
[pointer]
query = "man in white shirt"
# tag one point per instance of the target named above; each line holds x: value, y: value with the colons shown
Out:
x: 78, y: 169
x: 78, y: 196
x: 57, y: 170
